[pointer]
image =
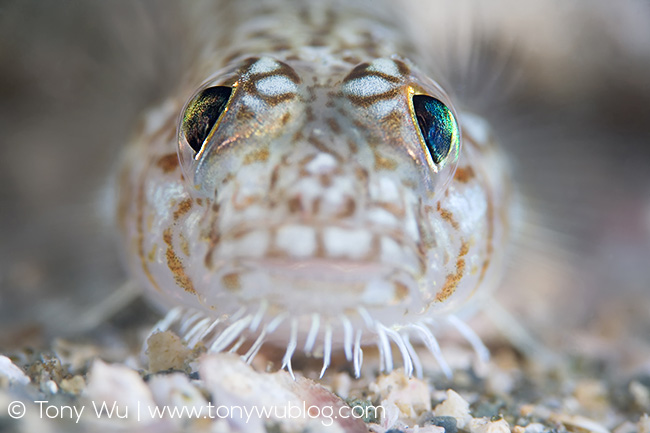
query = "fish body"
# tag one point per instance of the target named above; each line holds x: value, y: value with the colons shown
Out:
x: 311, y: 185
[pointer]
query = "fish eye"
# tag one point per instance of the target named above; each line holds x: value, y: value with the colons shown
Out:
x: 201, y: 115
x: 438, y: 128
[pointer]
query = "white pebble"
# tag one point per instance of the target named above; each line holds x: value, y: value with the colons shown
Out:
x: 455, y: 406
x: 13, y: 373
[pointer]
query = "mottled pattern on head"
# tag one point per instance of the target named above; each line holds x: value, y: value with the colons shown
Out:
x: 311, y: 209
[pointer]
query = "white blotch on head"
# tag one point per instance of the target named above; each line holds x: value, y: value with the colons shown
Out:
x: 252, y: 102
x: 264, y: 66
x: 367, y: 86
x: 321, y: 164
x: 384, y: 107
x: 162, y: 194
x: 385, y: 190
x: 382, y: 217
x: 378, y: 292
x: 253, y: 244
x: 308, y: 189
x: 297, y: 241
x: 226, y: 249
x: 275, y: 85
x: 385, y: 66
x: 353, y: 244
x: 410, y: 224
x: 251, y: 212
x: 391, y: 252
x: 472, y: 205
x: 334, y: 198
x: 344, y: 185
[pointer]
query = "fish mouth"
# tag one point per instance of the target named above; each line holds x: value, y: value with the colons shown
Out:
x: 325, y: 252
x: 338, y: 272
x: 325, y: 269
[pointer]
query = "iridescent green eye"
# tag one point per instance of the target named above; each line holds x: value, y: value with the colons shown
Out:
x: 437, y: 125
x: 202, y: 113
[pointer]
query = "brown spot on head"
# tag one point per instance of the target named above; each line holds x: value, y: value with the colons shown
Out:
x: 401, y: 291
x: 175, y: 264
x: 361, y: 174
x: 402, y: 67
x: 227, y: 179
x: 152, y: 253
x: 318, y: 144
x: 257, y: 155
x: 309, y: 113
x: 348, y: 209
x: 352, y: 59
x: 245, y: 113
x: 295, y: 205
x: 284, y: 70
x: 277, y: 99
x: 452, y: 281
x: 464, y: 174
x: 366, y: 101
x: 231, y: 282
x: 358, y: 71
x: 183, y: 208
x: 334, y: 125
x: 393, y: 121
x: 214, y: 238
x: 168, y: 163
x: 185, y: 245
x: 383, y: 163
x: 353, y: 146
x: 409, y: 184
x: 362, y: 71
x: 394, y: 209
x: 274, y: 177
x: 449, y: 217
x: 464, y: 249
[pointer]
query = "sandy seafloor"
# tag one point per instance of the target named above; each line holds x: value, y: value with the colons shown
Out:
x: 565, y: 86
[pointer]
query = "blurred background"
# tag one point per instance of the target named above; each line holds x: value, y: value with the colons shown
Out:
x: 566, y: 86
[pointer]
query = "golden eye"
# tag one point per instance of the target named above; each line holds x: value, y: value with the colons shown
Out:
x: 438, y: 127
x: 202, y: 114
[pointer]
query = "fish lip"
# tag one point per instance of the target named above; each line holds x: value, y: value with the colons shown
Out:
x: 336, y: 271
x: 391, y: 251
